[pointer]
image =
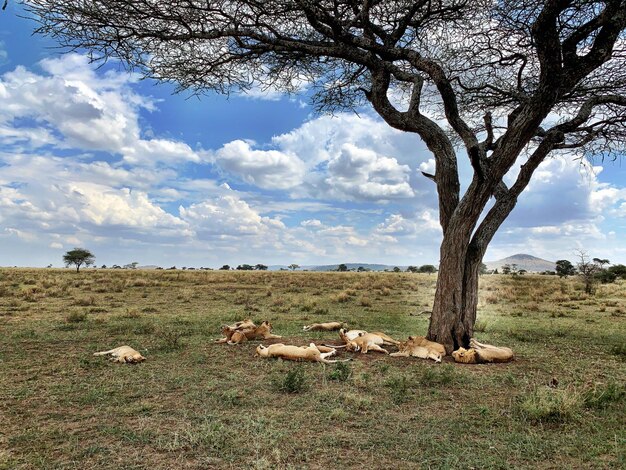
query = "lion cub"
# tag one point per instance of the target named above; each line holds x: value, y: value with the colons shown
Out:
x: 123, y: 354
x: 418, y: 346
x: 479, y: 353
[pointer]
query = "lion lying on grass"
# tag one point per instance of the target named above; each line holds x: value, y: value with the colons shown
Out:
x: 312, y: 353
x: 328, y: 326
x: 246, y: 330
x: 123, y: 354
x: 359, y: 340
x: 481, y: 353
x: 418, y: 346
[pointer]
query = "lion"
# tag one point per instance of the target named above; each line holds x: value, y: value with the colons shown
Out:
x: 418, y: 346
x: 328, y: 326
x: 312, y: 353
x: 123, y: 355
x: 238, y: 330
x: 246, y: 332
x: 350, y: 335
x: 479, y: 353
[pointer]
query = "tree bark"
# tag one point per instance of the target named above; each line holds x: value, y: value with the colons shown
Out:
x: 456, y: 296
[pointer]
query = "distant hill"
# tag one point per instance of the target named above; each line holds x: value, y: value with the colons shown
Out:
x: 530, y: 263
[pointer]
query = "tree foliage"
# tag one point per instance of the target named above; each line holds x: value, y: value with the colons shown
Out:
x: 565, y: 268
x: 79, y: 257
x: 505, y: 84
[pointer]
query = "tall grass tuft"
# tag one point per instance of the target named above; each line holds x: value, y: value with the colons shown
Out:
x: 549, y: 405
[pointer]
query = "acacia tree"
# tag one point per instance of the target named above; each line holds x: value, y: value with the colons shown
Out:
x: 480, y: 79
x: 78, y: 257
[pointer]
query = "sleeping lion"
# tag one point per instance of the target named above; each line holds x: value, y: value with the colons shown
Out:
x: 418, y: 346
x: 479, y: 353
x: 123, y: 355
x: 246, y: 330
x: 312, y: 353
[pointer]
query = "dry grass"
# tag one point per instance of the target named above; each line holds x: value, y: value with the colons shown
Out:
x: 196, y: 404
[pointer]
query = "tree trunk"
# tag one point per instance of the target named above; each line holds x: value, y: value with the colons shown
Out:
x: 454, y: 308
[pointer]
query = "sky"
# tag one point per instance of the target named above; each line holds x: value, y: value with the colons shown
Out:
x: 94, y: 157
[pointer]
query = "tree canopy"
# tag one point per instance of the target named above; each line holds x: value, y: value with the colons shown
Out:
x: 504, y: 84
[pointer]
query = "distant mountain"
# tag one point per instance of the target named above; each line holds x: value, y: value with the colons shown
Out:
x: 530, y: 263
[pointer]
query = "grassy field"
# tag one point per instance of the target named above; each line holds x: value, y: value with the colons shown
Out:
x: 195, y: 404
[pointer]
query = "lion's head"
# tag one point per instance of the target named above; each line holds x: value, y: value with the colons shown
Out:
x: 465, y: 356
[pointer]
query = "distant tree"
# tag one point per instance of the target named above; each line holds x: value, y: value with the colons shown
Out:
x: 483, y: 269
x: 495, y: 271
x: 601, y: 262
x: 587, y: 270
x: 342, y: 268
x: 412, y: 269
x: 506, y: 269
x: 362, y: 269
x: 172, y: 268
x: 396, y: 269
x: 565, y: 268
x: 225, y: 268
x: 132, y: 265
x: 49, y: 266
x: 78, y: 257
x: 294, y: 266
x: 428, y: 268
x: 244, y: 267
x: 619, y: 270
x: 104, y: 266
x: 260, y: 267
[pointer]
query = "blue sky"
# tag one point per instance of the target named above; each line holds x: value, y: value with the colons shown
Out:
x: 95, y: 157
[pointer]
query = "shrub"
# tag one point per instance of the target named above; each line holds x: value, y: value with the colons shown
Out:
x: 606, y: 277
x: 548, y: 405
x: 480, y: 326
x: 171, y: 339
x: 602, y: 395
x: 619, y: 350
x: 341, y: 372
x: 76, y: 317
x: 294, y: 381
x: 399, y: 389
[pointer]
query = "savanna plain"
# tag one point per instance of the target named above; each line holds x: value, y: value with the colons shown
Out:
x: 197, y: 404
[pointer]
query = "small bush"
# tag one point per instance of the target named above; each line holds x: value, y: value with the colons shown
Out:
x: 602, y: 395
x: 548, y: 405
x: 85, y: 301
x: 294, y: 381
x: 399, y: 389
x: 619, y: 350
x: 480, y: 326
x: 365, y: 302
x: 342, y: 372
x: 76, y: 317
x: 171, y: 339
